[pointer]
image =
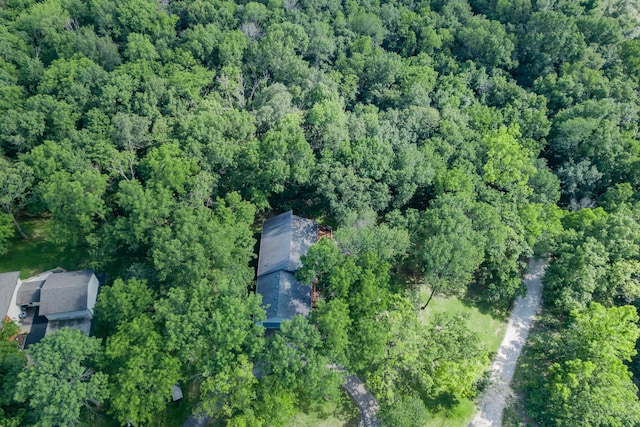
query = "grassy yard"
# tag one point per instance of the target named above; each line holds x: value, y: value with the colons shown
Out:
x: 458, y: 416
x: 489, y: 328
x: 37, y: 254
x: 331, y: 414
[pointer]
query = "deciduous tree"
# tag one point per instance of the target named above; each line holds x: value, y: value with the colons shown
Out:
x: 15, y: 185
x: 62, y: 378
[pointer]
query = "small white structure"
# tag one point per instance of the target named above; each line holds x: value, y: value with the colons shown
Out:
x: 176, y: 392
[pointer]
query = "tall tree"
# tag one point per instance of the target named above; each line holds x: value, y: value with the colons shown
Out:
x: 7, y: 231
x: 296, y: 363
x: 141, y: 372
x: 62, y: 378
x: 75, y: 202
x: 12, y: 362
x: 589, y: 383
x: 446, y: 249
x: 120, y: 303
x: 15, y: 186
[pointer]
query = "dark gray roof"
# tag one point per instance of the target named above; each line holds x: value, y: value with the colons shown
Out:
x: 29, y: 292
x: 64, y: 292
x: 284, y: 239
x: 283, y: 296
x: 8, y: 282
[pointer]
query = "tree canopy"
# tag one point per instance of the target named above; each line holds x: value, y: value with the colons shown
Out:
x: 445, y: 142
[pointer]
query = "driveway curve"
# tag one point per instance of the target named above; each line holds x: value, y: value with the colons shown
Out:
x: 364, y: 400
x: 524, y: 310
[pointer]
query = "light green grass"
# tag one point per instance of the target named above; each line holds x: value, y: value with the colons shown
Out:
x: 341, y: 413
x: 458, y: 416
x: 490, y: 330
x: 37, y: 254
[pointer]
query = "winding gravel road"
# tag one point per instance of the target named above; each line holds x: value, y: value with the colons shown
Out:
x: 504, y: 365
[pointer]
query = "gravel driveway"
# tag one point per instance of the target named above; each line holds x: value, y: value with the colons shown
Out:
x: 504, y: 365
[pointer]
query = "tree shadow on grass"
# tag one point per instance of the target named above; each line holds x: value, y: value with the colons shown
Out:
x: 38, y: 254
x: 498, y: 310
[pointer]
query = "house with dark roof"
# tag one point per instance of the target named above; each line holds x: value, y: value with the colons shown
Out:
x: 285, y: 239
x: 55, y: 299
x: 28, y: 294
x: 69, y: 295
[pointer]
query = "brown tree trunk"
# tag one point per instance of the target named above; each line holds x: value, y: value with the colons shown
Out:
x: 433, y: 291
x: 15, y: 222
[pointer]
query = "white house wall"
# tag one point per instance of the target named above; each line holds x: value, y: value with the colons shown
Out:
x: 14, y: 310
x: 92, y: 293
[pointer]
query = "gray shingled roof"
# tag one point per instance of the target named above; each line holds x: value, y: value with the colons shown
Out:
x: 284, y: 239
x: 8, y: 282
x: 29, y: 292
x: 65, y: 292
x: 283, y: 296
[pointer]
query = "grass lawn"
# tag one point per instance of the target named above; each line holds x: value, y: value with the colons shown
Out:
x: 458, y: 416
x: 342, y: 413
x: 491, y: 331
x: 36, y: 254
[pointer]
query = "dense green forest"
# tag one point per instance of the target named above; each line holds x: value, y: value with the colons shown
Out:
x: 447, y: 141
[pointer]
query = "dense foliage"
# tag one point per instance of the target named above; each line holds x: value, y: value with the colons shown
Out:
x: 447, y: 140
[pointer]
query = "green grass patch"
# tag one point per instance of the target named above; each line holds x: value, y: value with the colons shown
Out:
x: 490, y: 329
x: 340, y: 413
x: 37, y: 254
x: 457, y: 416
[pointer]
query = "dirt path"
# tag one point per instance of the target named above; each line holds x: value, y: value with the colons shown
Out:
x: 504, y: 365
x: 364, y: 400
